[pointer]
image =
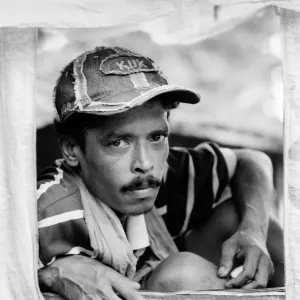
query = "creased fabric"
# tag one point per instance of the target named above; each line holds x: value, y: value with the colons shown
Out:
x: 290, y: 28
x: 161, y: 243
x: 106, y: 233
x: 18, y: 221
x: 110, y: 243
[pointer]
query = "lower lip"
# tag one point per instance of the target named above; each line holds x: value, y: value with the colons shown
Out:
x: 143, y: 193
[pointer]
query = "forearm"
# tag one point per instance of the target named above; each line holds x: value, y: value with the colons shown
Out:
x: 252, y: 190
x: 78, y: 277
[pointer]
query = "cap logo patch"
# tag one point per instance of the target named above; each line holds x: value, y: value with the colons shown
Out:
x: 126, y: 65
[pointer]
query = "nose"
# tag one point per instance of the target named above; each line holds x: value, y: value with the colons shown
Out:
x: 142, y: 162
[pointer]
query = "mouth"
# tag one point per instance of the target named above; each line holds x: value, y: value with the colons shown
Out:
x: 143, y: 187
x: 143, y: 192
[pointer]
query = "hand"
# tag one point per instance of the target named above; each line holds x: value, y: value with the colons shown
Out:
x: 78, y: 277
x: 257, y: 265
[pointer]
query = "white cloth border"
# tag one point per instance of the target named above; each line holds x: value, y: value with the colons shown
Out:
x: 17, y: 147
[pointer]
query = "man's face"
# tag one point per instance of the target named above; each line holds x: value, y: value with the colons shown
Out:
x: 125, y: 158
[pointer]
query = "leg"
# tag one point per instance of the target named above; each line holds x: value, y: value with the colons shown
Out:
x: 184, y: 271
x: 207, y: 240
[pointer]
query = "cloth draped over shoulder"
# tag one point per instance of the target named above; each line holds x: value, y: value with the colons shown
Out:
x: 109, y: 241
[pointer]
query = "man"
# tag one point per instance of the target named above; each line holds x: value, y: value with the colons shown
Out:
x: 121, y: 211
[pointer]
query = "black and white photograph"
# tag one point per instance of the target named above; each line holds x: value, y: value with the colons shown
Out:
x: 150, y: 154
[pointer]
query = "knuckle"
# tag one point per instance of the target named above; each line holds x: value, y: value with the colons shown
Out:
x: 102, y: 293
x: 103, y: 287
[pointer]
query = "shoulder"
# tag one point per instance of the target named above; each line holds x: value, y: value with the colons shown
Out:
x: 204, y: 157
x: 203, y: 154
x: 61, y: 223
x: 57, y: 193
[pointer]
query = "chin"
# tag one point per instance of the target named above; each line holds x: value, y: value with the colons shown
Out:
x: 140, y: 212
x: 140, y: 209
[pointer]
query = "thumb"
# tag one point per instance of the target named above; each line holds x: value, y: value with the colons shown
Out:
x: 227, y: 257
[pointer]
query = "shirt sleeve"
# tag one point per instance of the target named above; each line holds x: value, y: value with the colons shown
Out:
x: 230, y: 159
x: 61, y: 226
x: 222, y: 169
x: 196, y: 181
x: 61, y: 235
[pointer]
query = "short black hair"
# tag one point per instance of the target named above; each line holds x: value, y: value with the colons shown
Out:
x: 78, y: 124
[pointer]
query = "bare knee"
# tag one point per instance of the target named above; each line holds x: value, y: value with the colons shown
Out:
x: 184, y: 271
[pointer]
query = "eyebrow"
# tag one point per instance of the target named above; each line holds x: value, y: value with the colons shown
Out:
x: 163, y: 129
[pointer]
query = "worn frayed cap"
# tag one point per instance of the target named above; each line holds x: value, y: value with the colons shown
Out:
x: 111, y: 80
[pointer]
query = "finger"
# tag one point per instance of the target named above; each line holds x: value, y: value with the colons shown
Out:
x: 228, y: 252
x: 109, y: 295
x: 271, y: 269
x: 264, y: 272
x: 236, y: 272
x: 127, y: 288
x: 120, y: 280
x: 249, y: 269
x: 128, y: 293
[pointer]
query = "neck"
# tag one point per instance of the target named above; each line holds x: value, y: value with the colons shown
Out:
x: 122, y: 217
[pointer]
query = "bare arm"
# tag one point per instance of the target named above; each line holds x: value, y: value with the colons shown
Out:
x: 252, y: 190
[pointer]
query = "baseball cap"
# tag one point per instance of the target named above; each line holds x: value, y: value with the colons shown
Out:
x: 110, y: 80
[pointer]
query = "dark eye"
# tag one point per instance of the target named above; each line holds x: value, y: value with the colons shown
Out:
x: 157, y: 138
x: 119, y: 144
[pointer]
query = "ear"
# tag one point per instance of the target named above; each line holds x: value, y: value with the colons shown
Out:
x: 70, y: 150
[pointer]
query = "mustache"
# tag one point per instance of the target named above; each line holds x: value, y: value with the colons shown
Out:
x: 141, y: 183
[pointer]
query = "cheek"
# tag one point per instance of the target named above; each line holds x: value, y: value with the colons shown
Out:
x: 161, y: 156
x: 165, y: 153
x: 111, y: 173
x: 108, y: 175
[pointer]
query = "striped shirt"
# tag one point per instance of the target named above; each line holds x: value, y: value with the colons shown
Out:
x: 196, y: 180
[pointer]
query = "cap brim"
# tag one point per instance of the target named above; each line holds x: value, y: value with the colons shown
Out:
x: 124, y: 101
